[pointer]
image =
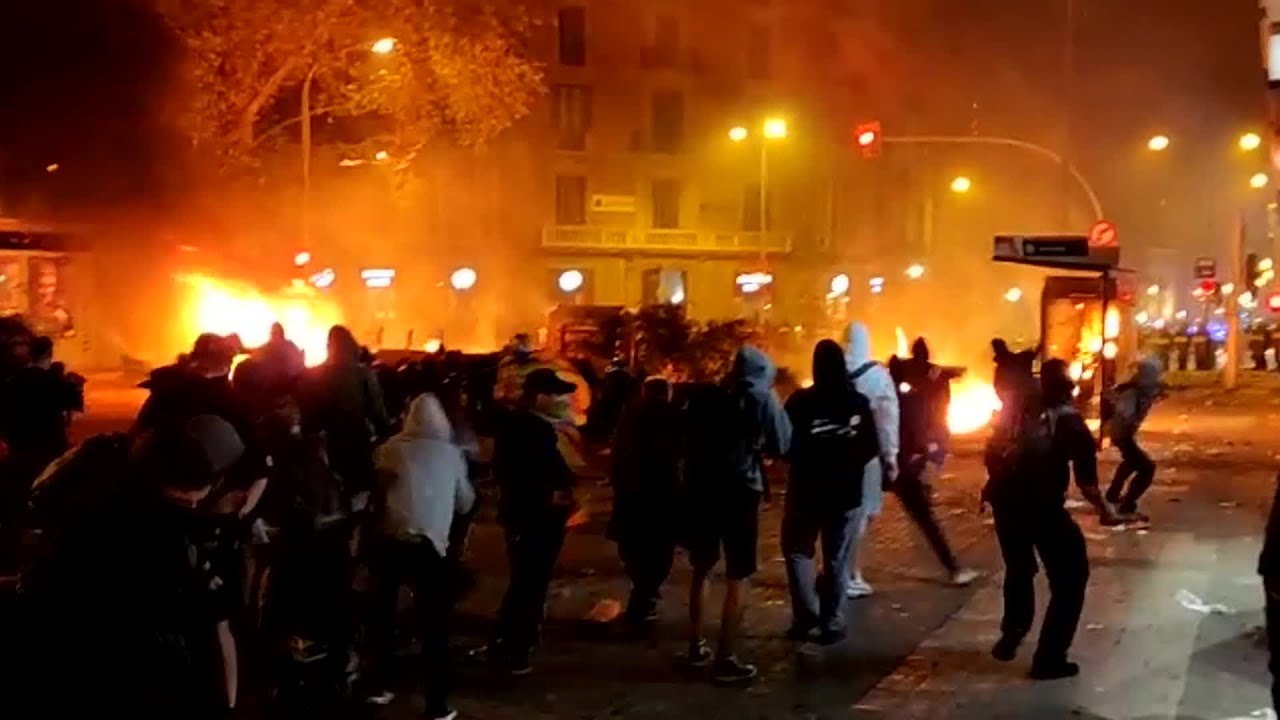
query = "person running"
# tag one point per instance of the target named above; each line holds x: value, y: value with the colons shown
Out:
x: 917, y: 396
x: 1031, y: 463
x: 646, y: 478
x: 423, y: 487
x: 733, y: 426
x: 1133, y: 402
x: 874, y: 381
x: 535, y: 504
x: 834, y: 439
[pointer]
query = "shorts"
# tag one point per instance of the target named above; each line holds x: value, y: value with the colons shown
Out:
x: 730, y: 519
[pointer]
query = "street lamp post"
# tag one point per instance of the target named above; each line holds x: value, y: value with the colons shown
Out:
x: 383, y: 46
x: 773, y: 129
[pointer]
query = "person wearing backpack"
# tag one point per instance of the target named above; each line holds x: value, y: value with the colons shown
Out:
x: 733, y: 427
x: 874, y: 382
x: 1133, y: 401
x: 1031, y: 460
x: 423, y: 487
x: 833, y: 439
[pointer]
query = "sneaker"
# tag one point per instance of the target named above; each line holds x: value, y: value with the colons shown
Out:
x: 517, y: 663
x: 857, y: 588
x: 964, y: 577
x: 1113, y: 497
x: 1053, y: 670
x: 447, y: 715
x: 728, y: 671
x: 1006, y: 648
x: 799, y: 632
x: 381, y: 698
x: 699, y: 655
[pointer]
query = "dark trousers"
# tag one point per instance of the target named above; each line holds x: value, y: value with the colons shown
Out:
x: 1272, y: 587
x: 1056, y: 538
x: 647, y: 557
x: 420, y: 565
x: 1133, y: 461
x: 916, y: 501
x: 533, y: 546
x: 818, y: 601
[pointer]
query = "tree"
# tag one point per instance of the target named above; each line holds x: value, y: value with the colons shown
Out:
x: 457, y: 68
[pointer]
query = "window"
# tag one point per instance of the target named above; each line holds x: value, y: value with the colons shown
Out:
x: 666, y: 204
x: 663, y: 286
x: 758, y: 56
x: 751, y: 207
x: 666, y: 40
x: 571, y: 200
x: 668, y: 122
x: 571, y: 115
x: 573, y: 35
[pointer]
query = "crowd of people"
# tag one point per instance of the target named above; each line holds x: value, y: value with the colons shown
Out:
x: 257, y: 527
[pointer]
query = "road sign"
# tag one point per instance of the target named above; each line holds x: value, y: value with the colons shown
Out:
x: 1056, y: 251
x: 1103, y: 234
x: 1206, y: 268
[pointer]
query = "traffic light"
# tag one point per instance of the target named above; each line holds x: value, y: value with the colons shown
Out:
x: 1273, y: 302
x: 1207, y: 289
x: 868, y: 138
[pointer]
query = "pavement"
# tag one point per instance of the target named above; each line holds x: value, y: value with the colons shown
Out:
x: 1171, y: 626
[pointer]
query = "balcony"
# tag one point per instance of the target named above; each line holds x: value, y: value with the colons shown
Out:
x: 687, y: 241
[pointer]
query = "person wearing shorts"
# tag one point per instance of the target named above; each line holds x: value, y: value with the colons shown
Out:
x: 732, y: 427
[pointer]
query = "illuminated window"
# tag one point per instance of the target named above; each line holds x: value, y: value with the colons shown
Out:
x: 571, y: 200
x: 571, y: 115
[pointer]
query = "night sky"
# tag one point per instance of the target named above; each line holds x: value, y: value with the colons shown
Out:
x: 84, y: 83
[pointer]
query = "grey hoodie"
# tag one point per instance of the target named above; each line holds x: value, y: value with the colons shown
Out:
x: 753, y: 375
x: 1137, y: 397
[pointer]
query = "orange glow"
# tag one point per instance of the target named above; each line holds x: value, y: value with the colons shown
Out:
x: 1111, y: 323
x: 973, y: 404
x: 225, y: 307
x: 903, y: 350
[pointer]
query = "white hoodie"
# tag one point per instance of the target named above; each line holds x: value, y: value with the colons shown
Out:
x: 424, y: 476
x: 877, y: 385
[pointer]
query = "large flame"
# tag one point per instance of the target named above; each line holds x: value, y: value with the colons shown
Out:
x: 225, y: 307
x: 973, y: 403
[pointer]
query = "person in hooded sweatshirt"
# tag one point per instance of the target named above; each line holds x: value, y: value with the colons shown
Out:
x: 1133, y: 402
x: 733, y: 426
x: 646, y: 477
x: 874, y: 381
x: 833, y: 440
x: 423, y: 486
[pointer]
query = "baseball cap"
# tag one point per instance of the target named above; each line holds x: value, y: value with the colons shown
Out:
x: 545, y: 381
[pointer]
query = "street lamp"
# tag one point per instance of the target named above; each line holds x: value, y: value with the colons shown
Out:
x: 1250, y: 141
x: 774, y: 128
x: 1158, y: 143
x: 961, y: 185
x: 571, y: 281
x: 839, y: 285
x: 1013, y: 295
x: 463, y: 279
x: 916, y: 271
x: 1259, y: 181
x: 1153, y: 290
x: 302, y: 259
x: 383, y: 46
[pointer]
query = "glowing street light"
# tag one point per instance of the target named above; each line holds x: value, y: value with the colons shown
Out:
x: 1013, y: 295
x: 463, y: 279
x: 916, y: 271
x: 302, y: 259
x: 1250, y: 141
x: 1259, y: 181
x: 383, y: 46
x: 1153, y: 290
x: 839, y: 285
x: 775, y: 128
x: 737, y: 133
x: 1158, y: 143
x: 961, y: 185
x: 571, y: 281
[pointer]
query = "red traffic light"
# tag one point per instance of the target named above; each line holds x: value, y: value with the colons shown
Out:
x: 1273, y: 302
x: 1207, y: 288
x: 868, y: 138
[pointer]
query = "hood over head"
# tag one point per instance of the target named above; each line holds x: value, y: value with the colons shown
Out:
x: 829, y: 369
x: 1147, y: 374
x: 426, y: 418
x: 858, y: 352
x: 753, y: 367
x: 920, y: 350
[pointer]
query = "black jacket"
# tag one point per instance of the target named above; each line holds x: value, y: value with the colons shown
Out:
x: 833, y: 438
x: 529, y: 468
x: 1269, y: 561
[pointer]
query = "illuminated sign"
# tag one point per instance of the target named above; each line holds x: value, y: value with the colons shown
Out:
x: 378, y: 277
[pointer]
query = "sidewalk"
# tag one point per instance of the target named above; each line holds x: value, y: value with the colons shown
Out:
x: 1146, y: 650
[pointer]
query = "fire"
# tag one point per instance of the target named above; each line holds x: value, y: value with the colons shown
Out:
x: 973, y: 403
x: 225, y: 307
x: 903, y: 349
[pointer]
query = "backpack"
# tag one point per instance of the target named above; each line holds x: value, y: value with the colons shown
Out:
x: 69, y: 495
x: 724, y: 431
x: 1018, y: 456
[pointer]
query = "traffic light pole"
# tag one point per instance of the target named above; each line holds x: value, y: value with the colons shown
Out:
x: 1040, y: 150
x: 1231, y: 372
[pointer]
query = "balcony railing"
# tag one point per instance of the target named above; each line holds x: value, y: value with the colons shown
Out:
x: 691, y: 241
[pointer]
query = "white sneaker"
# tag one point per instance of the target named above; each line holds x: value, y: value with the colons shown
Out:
x: 381, y: 699
x: 965, y: 577
x: 857, y: 588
